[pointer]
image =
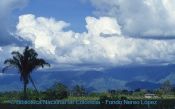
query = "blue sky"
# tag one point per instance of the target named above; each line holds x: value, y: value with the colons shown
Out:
x: 71, y: 11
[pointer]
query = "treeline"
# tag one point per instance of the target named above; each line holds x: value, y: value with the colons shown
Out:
x: 61, y: 91
x: 56, y: 91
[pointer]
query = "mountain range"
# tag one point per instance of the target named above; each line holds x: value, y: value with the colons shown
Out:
x: 131, y: 78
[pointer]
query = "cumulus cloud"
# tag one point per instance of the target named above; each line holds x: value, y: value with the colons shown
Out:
x: 6, y: 7
x: 53, y: 42
x: 140, y: 17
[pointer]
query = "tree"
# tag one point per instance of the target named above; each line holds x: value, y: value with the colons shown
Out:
x: 25, y: 63
x: 57, y: 91
x: 79, y: 90
x: 166, y: 87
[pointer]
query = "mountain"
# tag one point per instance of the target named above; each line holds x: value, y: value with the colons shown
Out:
x: 170, y: 77
x: 148, y: 77
x: 142, y: 85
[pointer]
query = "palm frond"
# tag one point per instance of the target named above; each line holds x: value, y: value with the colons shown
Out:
x: 17, y: 54
x: 42, y: 63
x: 5, y: 68
x: 11, y: 62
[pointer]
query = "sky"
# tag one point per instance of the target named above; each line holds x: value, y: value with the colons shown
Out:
x: 93, y: 34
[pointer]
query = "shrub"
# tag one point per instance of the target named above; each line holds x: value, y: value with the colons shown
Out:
x: 57, y: 91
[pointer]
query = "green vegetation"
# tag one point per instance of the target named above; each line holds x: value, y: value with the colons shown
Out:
x: 60, y: 91
x: 57, y: 91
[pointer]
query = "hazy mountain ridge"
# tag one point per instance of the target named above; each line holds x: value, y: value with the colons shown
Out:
x: 116, y: 78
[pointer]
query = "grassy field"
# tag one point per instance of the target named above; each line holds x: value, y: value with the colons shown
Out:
x: 164, y: 102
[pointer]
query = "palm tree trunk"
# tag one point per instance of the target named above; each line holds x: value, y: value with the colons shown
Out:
x: 33, y: 84
x: 25, y: 91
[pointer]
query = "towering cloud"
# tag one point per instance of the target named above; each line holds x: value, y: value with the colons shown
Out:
x: 49, y: 37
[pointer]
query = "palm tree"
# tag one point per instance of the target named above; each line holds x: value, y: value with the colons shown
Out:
x: 25, y: 63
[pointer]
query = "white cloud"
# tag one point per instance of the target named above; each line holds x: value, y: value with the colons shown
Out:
x: 67, y: 47
x: 140, y: 17
x: 97, y: 26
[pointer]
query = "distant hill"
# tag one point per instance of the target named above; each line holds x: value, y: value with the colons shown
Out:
x: 142, y: 85
x: 147, y: 77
